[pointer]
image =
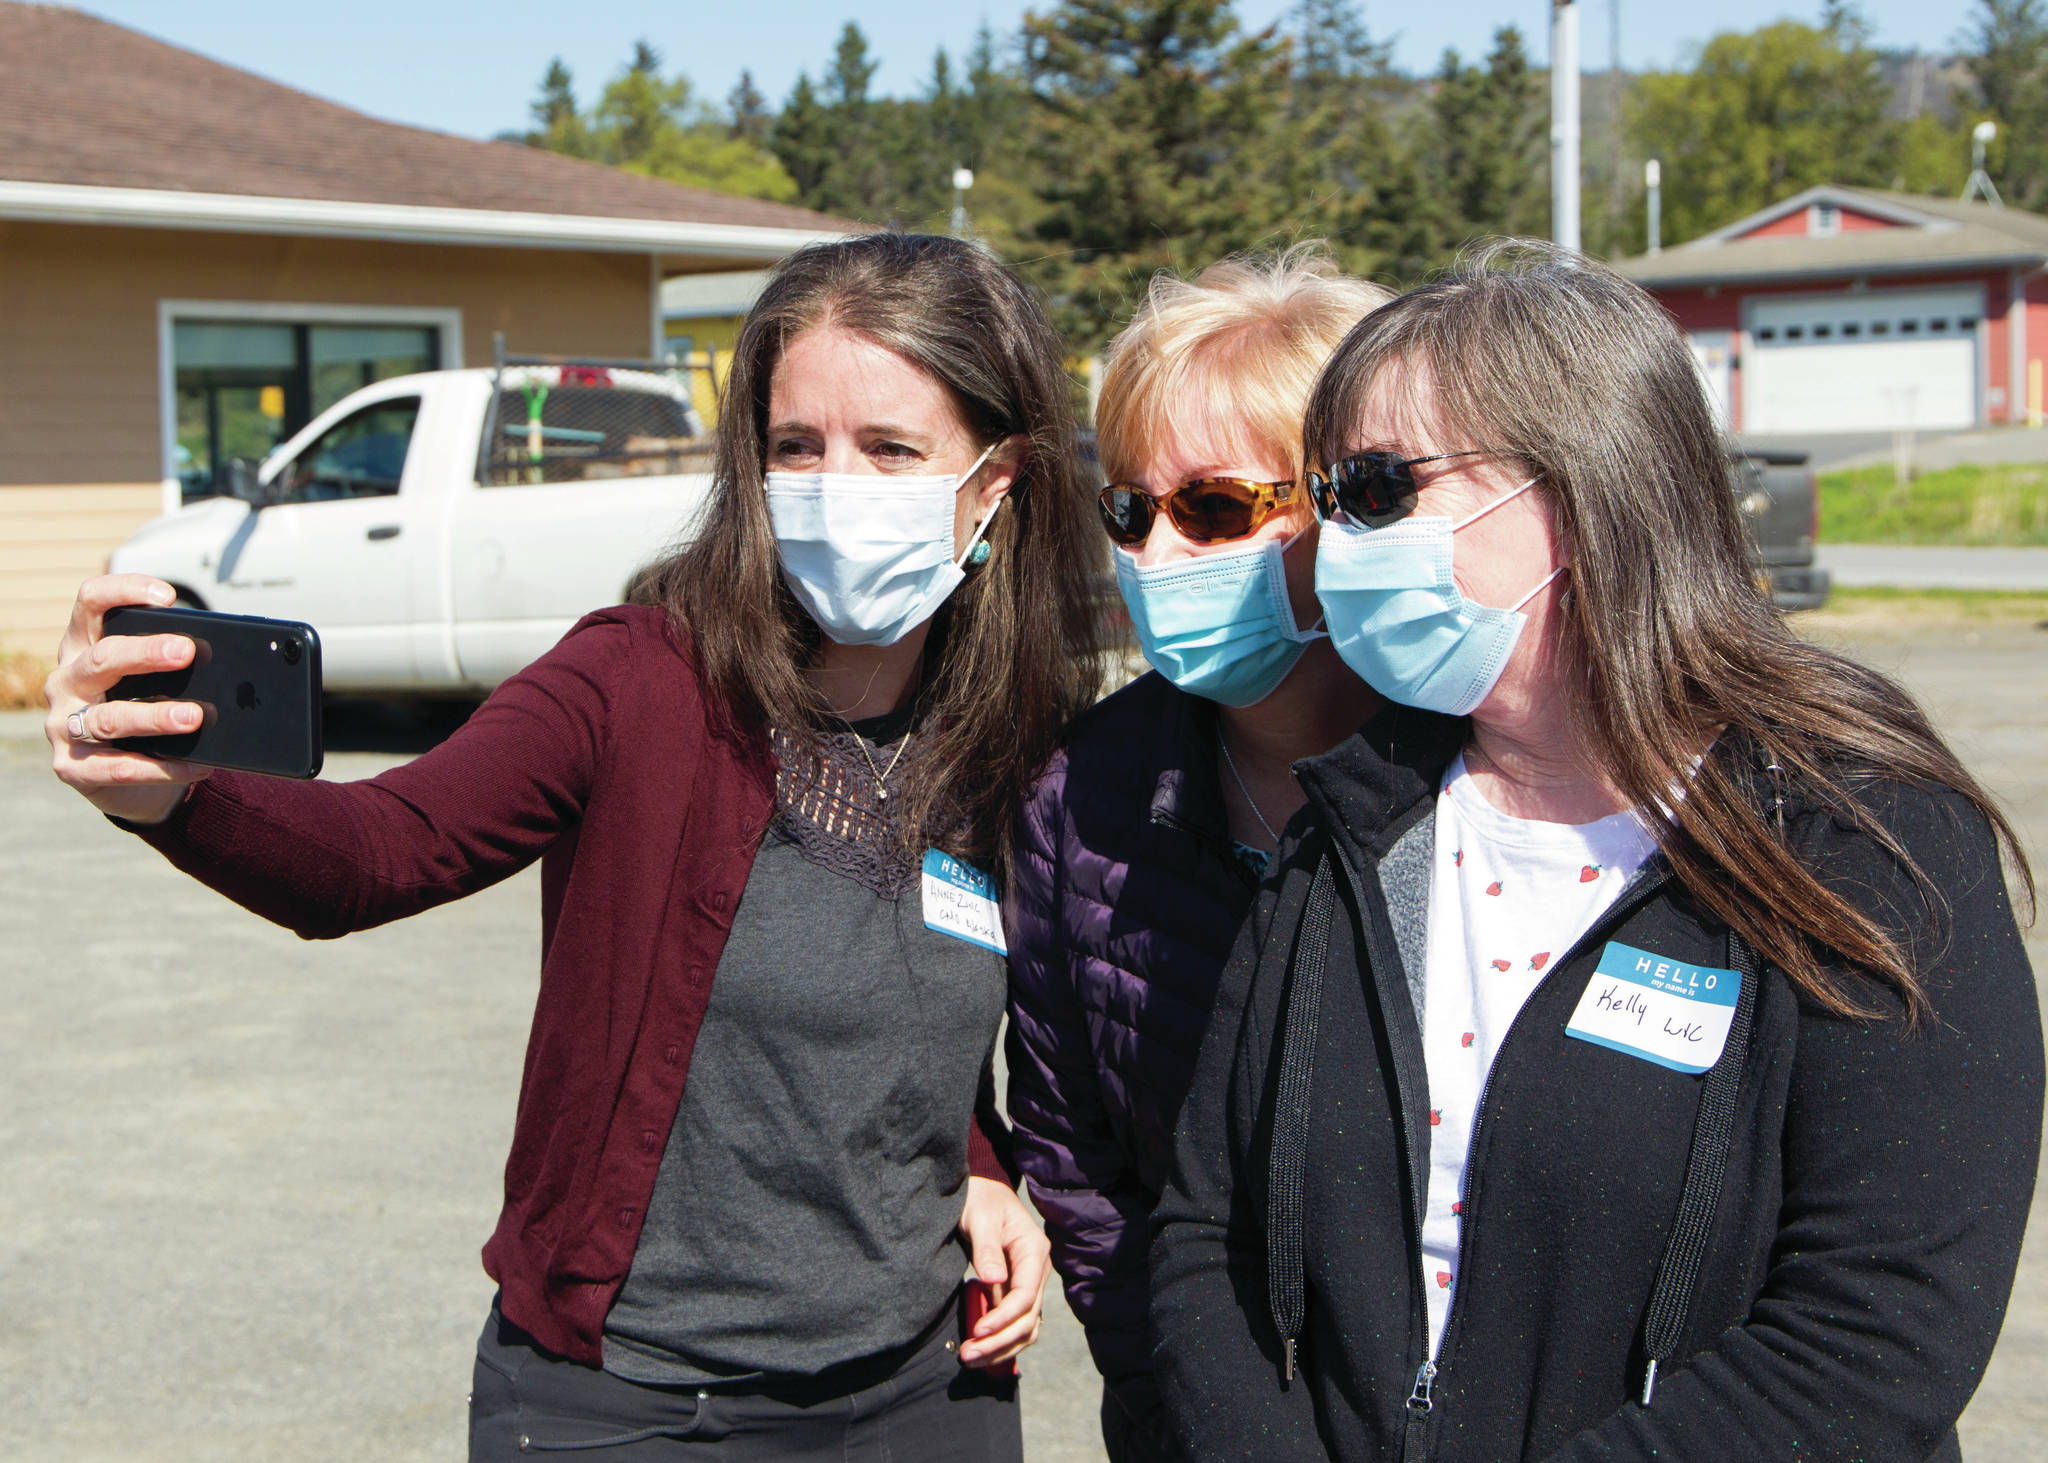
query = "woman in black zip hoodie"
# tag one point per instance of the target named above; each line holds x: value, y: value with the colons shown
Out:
x: 1632, y: 1054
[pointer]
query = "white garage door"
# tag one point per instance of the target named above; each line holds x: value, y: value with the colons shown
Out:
x: 1872, y: 360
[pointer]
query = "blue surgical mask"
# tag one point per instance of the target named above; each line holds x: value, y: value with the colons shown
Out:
x: 1398, y: 619
x: 1218, y: 625
x: 869, y: 557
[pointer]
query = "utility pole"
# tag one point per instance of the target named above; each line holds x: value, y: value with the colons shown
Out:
x: 1564, y: 123
x: 1617, y: 191
x: 1653, y: 181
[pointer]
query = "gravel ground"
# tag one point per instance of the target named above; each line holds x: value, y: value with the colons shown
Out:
x: 243, y: 1179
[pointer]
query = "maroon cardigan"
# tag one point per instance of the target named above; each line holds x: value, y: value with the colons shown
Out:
x: 603, y: 761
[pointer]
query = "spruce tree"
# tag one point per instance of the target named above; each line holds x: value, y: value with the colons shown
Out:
x: 558, y: 126
x: 803, y: 140
x: 1343, y: 168
x: 751, y: 119
x: 1157, y: 127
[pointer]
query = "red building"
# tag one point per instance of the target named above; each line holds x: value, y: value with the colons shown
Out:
x: 1852, y: 309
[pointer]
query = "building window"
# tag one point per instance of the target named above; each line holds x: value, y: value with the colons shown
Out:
x: 1880, y: 327
x: 243, y: 386
x: 1938, y: 324
x: 1769, y: 332
x: 1851, y: 328
x: 1795, y: 332
x: 1909, y: 327
x: 1822, y: 332
x: 1827, y: 219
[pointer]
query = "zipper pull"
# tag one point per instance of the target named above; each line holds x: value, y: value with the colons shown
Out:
x: 1418, y: 1400
x: 1289, y: 1375
x: 1649, y: 1381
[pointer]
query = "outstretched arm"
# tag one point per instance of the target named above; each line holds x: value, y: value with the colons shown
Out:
x: 326, y: 858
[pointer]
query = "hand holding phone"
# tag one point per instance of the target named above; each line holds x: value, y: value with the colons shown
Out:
x: 84, y: 727
x: 255, y: 681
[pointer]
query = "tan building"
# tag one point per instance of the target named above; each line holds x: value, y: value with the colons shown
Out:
x: 195, y: 261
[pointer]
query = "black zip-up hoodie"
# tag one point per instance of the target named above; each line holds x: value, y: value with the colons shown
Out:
x: 1858, y: 1259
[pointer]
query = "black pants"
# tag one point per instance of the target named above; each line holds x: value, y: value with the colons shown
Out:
x: 918, y: 1407
x: 1126, y: 1440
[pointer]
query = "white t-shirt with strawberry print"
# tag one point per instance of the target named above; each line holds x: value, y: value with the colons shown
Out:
x: 1507, y: 897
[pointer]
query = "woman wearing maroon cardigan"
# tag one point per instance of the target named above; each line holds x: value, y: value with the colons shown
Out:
x: 852, y: 675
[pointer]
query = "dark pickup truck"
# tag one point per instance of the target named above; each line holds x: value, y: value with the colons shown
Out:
x: 1776, y: 495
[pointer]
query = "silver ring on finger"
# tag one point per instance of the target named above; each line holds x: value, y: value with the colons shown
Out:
x: 75, y: 725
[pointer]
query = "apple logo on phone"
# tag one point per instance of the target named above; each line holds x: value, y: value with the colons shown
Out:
x: 245, y: 696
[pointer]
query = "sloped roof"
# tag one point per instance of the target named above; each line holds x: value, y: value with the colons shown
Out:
x: 1929, y: 234
x: 87, y: 103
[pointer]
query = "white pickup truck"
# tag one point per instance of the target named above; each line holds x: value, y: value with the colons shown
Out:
x: 442, y: 530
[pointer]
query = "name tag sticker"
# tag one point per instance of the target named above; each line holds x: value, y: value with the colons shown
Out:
x: 960, y: 900
x: 1656, y: 1008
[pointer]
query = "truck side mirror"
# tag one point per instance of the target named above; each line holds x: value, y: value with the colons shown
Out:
x: 239, y: 481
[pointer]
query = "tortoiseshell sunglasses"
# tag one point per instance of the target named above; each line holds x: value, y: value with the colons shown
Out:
x: 1205, y: 511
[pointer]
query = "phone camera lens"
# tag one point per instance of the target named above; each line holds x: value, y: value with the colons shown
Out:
x: 292, y: 650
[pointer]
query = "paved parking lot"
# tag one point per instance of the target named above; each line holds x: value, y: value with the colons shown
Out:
x: 243, y: 1180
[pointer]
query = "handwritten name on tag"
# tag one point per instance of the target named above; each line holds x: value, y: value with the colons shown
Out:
x: 960, y: 900
x: 1656, y: 1008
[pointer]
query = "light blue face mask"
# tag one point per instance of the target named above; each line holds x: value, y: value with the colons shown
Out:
x: 1398, y: 619
x: 1218, y: 625
x: 870, y: 557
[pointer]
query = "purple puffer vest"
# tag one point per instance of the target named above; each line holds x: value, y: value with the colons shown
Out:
x: 1124, y: 903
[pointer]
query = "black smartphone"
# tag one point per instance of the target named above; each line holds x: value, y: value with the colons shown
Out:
x: 257, y: 683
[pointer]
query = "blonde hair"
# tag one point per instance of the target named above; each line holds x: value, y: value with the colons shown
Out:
x: 1229, y: 356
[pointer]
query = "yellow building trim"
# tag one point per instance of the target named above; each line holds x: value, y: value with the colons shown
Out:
x: 53, y: 537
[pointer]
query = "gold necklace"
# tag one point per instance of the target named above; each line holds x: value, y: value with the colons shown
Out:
x: 882, y: 773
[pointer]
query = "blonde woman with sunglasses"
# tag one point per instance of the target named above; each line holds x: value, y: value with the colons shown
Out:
x: 1142, y: 847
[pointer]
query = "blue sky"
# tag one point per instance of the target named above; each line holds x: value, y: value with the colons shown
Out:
x: 472, y: 69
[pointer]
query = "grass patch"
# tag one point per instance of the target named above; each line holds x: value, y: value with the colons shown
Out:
x: 1978, y: 504
x: 21, y: 681
x: 1854, y: 609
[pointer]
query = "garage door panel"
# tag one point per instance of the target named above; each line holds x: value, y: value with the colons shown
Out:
x: 1926, y: 384
x: 1872, y: 360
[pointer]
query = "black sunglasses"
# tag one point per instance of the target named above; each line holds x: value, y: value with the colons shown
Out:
x: 1371, y: 485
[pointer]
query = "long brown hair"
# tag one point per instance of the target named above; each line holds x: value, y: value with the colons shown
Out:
x: 1017, y: 649
x: 1581, y: 379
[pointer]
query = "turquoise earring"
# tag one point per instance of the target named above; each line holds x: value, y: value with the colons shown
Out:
x: 978, y: 555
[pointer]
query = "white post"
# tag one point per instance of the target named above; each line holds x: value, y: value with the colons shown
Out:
x: 1564, y: 123
x: 963, y: 179
x: 1653, y: 180
x: 657, y: 322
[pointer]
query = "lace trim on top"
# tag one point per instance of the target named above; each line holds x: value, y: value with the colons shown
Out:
x: 828, y: 804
